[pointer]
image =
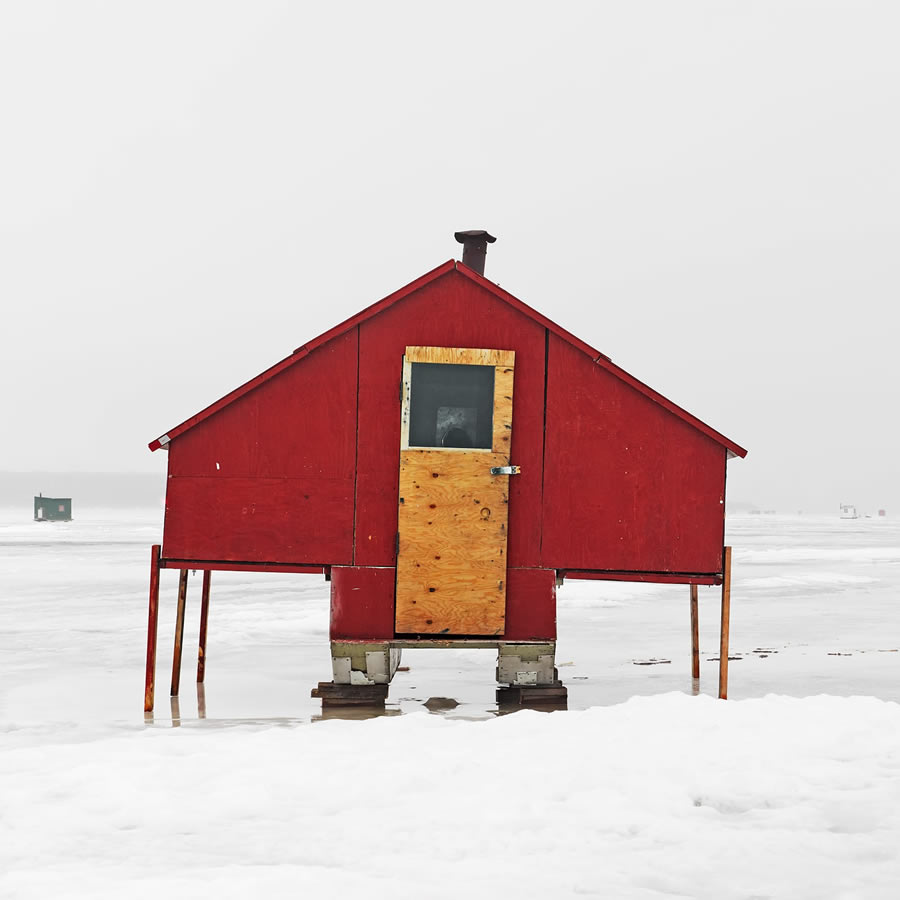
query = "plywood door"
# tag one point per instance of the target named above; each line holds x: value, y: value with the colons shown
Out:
x: 452, y: 516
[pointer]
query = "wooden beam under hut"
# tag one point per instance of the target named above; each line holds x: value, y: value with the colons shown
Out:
x: 364, y: 695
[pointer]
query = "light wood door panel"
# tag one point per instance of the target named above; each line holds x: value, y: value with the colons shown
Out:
x: 453, y: 517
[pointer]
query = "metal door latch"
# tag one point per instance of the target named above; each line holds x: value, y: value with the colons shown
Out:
x: 505, y: 470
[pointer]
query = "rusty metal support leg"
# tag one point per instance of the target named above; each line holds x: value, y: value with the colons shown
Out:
x: 204, y: 620
x: 152, y: 620
x: 726, y: 621
x: 695, y: 634
x: 179, y: 632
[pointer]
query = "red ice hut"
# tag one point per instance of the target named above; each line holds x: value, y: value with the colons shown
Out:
x: 446, y: 457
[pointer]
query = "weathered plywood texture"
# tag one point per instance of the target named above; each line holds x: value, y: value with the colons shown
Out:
x: 461, y: 356
x: 503, y: 411
x: 451, y: 566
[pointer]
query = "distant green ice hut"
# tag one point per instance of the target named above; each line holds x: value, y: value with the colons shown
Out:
x: 52, y: 509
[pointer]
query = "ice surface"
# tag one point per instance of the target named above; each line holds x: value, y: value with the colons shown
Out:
x: 669, y: 794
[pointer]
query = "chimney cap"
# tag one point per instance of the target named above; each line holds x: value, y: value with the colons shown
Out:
x: 465, y: 236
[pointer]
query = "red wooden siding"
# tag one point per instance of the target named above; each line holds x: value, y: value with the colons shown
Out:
x: 300, y: 466
x: 530, y: 605
x: 269, y: 478
x: 362, y: 603
x: 628, y: 486
x: 451, y: 311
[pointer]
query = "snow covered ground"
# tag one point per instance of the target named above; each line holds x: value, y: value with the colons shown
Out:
x: 640, y: 790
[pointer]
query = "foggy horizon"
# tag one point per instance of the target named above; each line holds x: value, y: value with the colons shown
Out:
x: 706, y: 192
x: 146, y: 489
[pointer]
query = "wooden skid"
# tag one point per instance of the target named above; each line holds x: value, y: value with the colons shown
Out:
x: 206, y: 565
x: 332, y: 694
x: 531, y: 695
x: 648, y: 577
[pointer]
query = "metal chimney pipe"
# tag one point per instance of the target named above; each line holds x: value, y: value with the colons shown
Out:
x: 474, y: 248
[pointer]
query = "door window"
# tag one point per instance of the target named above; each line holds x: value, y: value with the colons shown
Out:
x: 451, y: 405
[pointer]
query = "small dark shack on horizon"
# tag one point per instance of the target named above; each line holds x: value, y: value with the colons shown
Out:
x: 52, y: 509
x: 447, y: 457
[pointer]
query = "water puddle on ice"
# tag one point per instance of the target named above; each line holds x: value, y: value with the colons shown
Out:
x: 813, y: 611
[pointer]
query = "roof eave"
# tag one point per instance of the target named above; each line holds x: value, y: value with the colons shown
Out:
x: 732, y: 448
x: 302, y: 351
x: 374, y: 309
x: 529, y: 311
x: 229, y: 398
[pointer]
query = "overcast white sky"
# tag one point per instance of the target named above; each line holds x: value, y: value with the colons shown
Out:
x: 708, y: 192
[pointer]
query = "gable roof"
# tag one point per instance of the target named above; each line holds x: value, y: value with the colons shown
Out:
x: 451, y: 265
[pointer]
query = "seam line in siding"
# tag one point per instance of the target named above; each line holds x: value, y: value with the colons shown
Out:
x: 544, y: 443
x: 356, y: 460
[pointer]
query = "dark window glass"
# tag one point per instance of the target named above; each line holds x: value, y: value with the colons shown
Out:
x: 451, y: 406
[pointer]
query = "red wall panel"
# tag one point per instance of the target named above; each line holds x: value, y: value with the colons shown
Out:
x: 271, y: 476
x: 628, y: 486
x: 530, y: 605
x: 451, y: 311
x: 244, y: 519
x: 362, y: 603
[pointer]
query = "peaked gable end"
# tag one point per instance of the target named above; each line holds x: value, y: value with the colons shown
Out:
x: 451, y: 269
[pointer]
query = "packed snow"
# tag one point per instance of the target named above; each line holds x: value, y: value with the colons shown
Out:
x: 641, y: 790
